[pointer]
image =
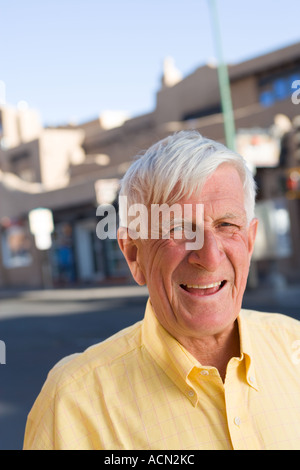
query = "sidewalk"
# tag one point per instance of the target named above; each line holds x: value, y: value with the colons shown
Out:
x: 75, y: 293
x: 270, y: 299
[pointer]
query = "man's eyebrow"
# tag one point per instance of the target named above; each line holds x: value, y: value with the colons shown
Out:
x: 232, y: 216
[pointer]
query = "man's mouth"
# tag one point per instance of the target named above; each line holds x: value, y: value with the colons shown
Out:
x: 205, y: 289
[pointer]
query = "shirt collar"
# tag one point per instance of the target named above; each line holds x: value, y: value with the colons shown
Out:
x: 246, y: 350
x: 177, y: 362
x: 168, y: 353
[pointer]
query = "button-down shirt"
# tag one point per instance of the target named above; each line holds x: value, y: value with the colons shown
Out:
x: 141, y: 389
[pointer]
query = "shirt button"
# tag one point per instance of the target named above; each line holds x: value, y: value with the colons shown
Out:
x: 191, y: 393
x: 251, y: 379
x: 237, y: 421
x: 204, y: 372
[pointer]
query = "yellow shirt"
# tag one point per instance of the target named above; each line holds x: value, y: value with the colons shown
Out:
x: 140, y: 389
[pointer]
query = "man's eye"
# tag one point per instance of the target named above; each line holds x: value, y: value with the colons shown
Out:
x: 176, y: 231
x: 227, y: 224
x: 170, y: 232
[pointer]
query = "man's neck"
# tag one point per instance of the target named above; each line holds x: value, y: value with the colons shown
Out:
x: 215, y: 351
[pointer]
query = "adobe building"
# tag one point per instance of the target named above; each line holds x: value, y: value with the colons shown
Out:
x: 73, y: 169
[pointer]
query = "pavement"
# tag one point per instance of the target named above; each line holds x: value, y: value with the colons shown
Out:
x: 39, y: 327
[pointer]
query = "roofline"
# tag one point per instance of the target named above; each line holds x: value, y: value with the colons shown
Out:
x: 265, y: 62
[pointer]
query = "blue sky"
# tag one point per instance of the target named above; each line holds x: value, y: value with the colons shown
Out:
x: 73, y: 59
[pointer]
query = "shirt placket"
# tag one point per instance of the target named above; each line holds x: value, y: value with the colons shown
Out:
x: 239, y: 420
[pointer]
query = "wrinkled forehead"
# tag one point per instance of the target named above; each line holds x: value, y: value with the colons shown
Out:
x: 223, y: 179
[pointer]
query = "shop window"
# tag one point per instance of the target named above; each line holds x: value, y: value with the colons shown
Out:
x: 62, y: 255
x: 281, y: 89
x: 15, y: 247
x: 267, y: 98
x: 276, y: 88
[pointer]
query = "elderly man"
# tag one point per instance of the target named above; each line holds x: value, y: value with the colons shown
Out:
x: 198, y: 372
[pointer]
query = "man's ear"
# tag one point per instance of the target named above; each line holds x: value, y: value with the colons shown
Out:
x: 129, y: 248
x: 252, y: 230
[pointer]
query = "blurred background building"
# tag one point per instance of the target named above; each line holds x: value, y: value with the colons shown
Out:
x: 71, y: 170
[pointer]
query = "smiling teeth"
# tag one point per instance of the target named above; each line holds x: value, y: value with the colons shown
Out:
x: 208, y: 286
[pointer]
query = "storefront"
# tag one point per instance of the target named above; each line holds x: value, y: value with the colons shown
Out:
x: 78, y: 256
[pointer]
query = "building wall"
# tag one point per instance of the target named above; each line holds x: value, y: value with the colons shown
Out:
x: 23, y: 161
x: 196, y: 92
x: 9, y: 129
x: 244, y: 92
x: 58, y: 150
x: 18, y: 125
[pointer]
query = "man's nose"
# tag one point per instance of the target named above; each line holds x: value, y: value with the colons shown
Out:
x: 210, y: 255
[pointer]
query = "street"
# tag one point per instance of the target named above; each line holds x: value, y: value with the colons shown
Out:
x: 41, y: 327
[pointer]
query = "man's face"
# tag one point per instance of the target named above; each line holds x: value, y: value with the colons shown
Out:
x: 198, y: 293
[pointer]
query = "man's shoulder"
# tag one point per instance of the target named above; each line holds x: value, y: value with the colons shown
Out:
x: 78, y: 377
x: 270, y: 322
x: 74, y: 367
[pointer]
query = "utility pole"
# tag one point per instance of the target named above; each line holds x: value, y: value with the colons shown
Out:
x: 224, y: 83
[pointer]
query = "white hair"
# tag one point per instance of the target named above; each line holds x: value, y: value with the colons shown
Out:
x: 178, y: 166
